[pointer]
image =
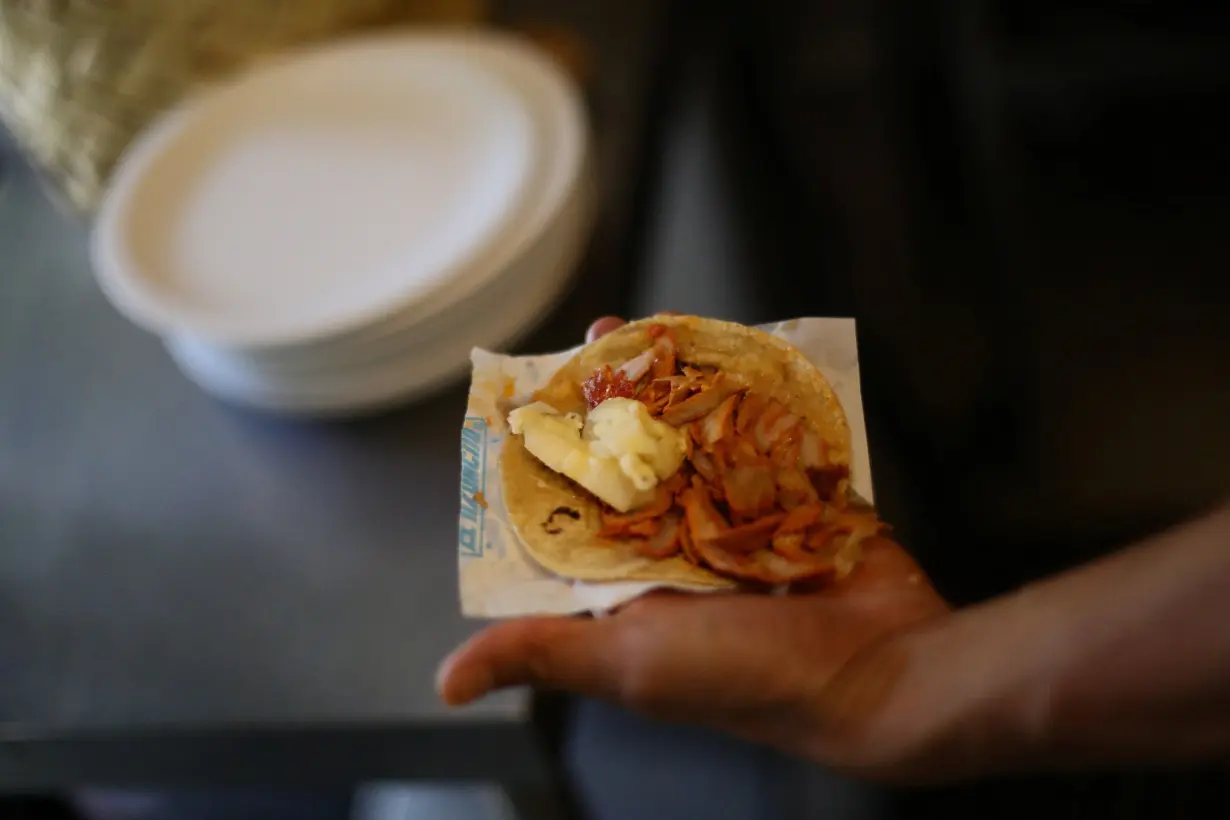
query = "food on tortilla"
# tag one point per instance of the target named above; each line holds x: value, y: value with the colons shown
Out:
x: 685, y: 450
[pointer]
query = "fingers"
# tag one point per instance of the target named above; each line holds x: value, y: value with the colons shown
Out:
x: 606, y: 324
x: 602, y: 327
x: 568, y: 654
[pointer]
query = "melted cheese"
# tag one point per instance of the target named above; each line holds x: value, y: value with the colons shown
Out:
x: 619, y: 453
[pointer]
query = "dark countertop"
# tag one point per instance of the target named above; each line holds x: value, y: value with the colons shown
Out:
x: 183, y: 581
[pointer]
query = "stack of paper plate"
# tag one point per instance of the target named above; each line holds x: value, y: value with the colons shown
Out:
x: 335, y: 231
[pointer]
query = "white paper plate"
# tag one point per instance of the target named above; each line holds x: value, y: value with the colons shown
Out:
x: 558, y: 119
x: 526, y: 278
x: 543, y: 273
x: 322, y: 193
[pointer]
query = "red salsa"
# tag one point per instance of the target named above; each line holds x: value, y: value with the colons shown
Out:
x: 606, y: 383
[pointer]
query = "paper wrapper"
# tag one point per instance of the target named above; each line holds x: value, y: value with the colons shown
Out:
x: 498, y: 578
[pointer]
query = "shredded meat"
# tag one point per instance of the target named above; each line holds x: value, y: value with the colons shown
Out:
x: 718, y: 425
x: 794, y: 489
x: 787, y: 450
x: 704, y: 465
x: 698, y: 373
x: 666, y: 543
x: 764, y: 566
x: 638, y: 366
x: 818, y: 539
x: 772, y: 424
x: 644, y: 529
x: 772, y: 568
x: 655, y: 395
x: 757, y: 498
x: 615, y: 524
x: 811, y: 450
x: 746, y: 538
x: 790, y: 546
x: 680, y: 389
x: 742, y: 451
x: 749, y: 489
x: 664, y: 358
x: 826, y: 479
x: 685, y: 544
x: 845, y: 545
x: 750, y: 409
x: 704, y: 520
x: 721, y: 561
x: 800, y: 518
x: 820, y: 536
x: 699, y: 404
x: 676, y: 483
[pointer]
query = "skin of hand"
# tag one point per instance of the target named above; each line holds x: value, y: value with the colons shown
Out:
x: 1124, y: 661
x: 786, y: 670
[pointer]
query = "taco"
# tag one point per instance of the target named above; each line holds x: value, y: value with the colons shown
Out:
x: 685, y: 450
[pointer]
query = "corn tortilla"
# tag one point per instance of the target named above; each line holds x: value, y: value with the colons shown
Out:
x: 558, y: 521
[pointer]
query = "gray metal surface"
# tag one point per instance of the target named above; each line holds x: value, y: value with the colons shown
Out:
x: 192, y: 593
x: 166, y: 559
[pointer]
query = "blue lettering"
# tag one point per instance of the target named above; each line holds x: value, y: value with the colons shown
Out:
x: 473, y: 458
x: 469, y: 508
x: 469, y: 477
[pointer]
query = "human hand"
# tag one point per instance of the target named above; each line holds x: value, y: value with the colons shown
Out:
x: 810, y: 673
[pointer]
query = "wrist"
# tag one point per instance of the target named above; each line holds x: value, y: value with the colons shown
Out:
x: 956, y: 700
x: 985, y: 682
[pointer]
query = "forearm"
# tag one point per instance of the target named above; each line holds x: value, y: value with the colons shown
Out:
x: 1126, y: 660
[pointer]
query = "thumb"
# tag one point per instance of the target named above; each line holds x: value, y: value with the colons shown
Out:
x: 569, y: 654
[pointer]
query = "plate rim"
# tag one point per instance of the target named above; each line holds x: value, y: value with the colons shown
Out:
x: 130, y: 292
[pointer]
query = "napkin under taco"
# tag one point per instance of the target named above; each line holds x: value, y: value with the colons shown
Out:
x: 685, y: 450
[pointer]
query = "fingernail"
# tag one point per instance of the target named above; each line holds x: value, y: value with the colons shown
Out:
x: 602, y: 327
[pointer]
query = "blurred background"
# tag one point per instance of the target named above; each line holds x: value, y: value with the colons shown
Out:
x: 1025, y: 206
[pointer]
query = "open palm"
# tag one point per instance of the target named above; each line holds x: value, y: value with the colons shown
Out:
x: 805, y: 672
